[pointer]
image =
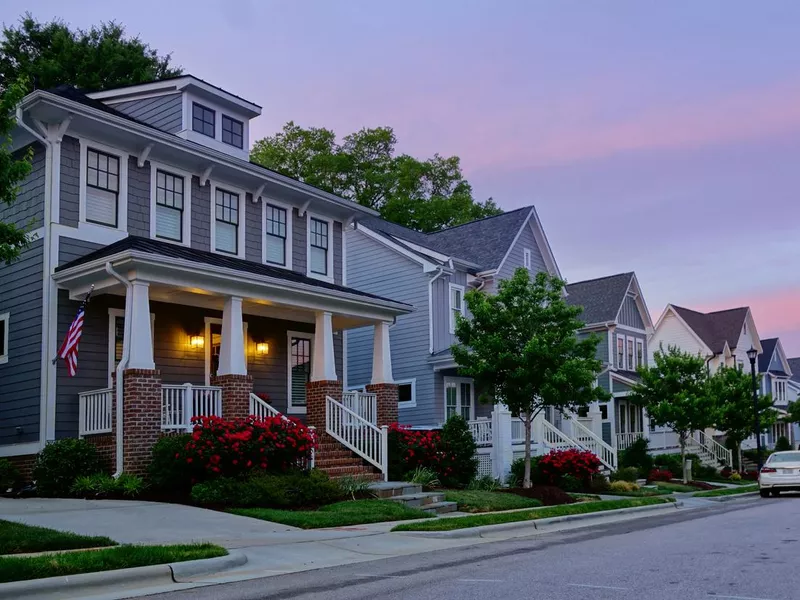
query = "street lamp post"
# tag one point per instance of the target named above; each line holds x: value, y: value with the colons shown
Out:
x: 751, y: 354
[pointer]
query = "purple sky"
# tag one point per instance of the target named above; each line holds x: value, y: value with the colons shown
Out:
x: 660, y: 137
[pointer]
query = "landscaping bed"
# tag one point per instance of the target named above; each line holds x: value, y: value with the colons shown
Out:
x: 640, y: 493
x: 476, y: 501
x: 18, y: 538
x: 745, y: 489
x: 548, y: 495
x: 530, y: 515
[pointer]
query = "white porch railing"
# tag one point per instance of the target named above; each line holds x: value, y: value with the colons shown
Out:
x: 594, y: 444
x: 710, y: 450
x: 355, y: 432
x: 626, y: 440
x: 364, y: 404
x: 262, y: 409
x: 94, y: 412
x: 556, y: 439
x: 181, y: 403
x: 518, y: 431
x: 481, y: 430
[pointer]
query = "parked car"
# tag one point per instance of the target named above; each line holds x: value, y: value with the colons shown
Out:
x: 780, y: 473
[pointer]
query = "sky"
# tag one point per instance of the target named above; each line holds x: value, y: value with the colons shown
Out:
x: 656, y: 137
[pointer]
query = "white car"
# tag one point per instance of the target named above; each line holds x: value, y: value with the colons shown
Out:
x: 781, y: 473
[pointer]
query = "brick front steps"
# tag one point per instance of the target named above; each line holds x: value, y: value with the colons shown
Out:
x: 412, y: 496
x: 338, y: 461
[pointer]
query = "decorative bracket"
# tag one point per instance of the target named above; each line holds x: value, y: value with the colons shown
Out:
x: 204, y: 176
x: 302, y: 211
x: 257, y: 193
x: 143, y: 155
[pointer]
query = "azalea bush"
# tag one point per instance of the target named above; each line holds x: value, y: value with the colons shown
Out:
x: 659, y: 475
x: 580, y: 464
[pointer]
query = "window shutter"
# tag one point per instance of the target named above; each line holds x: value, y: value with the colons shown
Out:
x: 101, y: 206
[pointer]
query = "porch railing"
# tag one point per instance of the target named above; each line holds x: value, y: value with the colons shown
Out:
x: 94, y: 412
x: 481, y: 430
x: 556, y: 439
x: 518, y: 431
x: 626, y: 440
x: 262, y: 409
x: 359, y: 435
x: 181, y: 403
x: 364, y: 404
x: 716, y: 451
x: 594, y: 444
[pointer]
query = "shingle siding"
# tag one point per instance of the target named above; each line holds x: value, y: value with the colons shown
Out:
x: 28, y: 209
x: 69, y: 209
x: 20, y: 390
x: 138, y: 198
x: 201, y: 215
x: 299, y: 235
x: 629, y: 314
x: 70, y: 249
x: 163, y: 112
x: 252, y: 233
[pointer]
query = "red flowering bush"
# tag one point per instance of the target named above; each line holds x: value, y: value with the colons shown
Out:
x: 659, y: 475
x: 580, y: 464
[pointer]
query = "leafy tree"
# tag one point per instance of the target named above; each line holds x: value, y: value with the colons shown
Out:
x: 521, y: 344
x: 426, y: 195
x: 675, y: 393
x: 49, y: 54
x: 14, y: 168
x: 731, y: 390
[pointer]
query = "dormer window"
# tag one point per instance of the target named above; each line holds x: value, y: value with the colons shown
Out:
x: 232, y: 131
x: 203, y: 119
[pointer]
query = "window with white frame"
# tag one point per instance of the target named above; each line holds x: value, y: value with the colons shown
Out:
x: 631, y: 363
x: 620, y: 352
x: 639, y: 353
x: 526, y: 258
x: 456, y: 305
x: 5, y: 318
x: 299, y: 348
x: 406, y: 393
x: 203, y: 120
x: 277, y: 235
x: 102, y: 187
x: 458, y: 398
x: 226, y: 226
x: 319, y: 247
x: 169, y: 205
x: 232, y: 132
x: 116, y: 338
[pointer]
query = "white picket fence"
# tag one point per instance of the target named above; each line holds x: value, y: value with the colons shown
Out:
x: 181, y: 403
x: 94, y: 412
x: 358, y: 434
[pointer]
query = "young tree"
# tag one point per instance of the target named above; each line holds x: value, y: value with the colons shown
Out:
x: 50, y: 54
x: 426, y: 195
x: 675, y: 393
x: 521, y: 345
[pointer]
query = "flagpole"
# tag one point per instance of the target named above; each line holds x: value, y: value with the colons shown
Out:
x: 82, y: 305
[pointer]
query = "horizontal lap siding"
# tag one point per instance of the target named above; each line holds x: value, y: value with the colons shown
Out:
x: 27, y: 211
x: 442, y: 338
x: 70, y: 181
x: 20, y: 377
x: 69, y: 249
x: 515, y: 257
x: 162, y: 112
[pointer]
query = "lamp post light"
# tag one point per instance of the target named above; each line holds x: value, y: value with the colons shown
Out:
x: 751, y: 354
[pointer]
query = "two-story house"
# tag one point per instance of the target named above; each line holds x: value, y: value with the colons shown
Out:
x: 776, y: 373
x: 217, y: 286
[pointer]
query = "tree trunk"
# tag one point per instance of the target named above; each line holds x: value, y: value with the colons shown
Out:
x: 739, y: 456
x: 682, y: 438
x: 526, y: 481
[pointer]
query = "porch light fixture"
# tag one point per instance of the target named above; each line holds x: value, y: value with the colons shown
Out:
x: 196, y: 341
x: 262, y: 348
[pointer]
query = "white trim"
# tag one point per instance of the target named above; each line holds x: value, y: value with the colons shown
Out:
x: 240, y: 227
x: 669, y: 308
x: 458, y: 381
x: 630, y: 353
x: 113, y: 313
x: 451, y: 308
x: 20, y: 449
x: 539, y: 235
x: 288, y: 250
x: 186, y: 218
x: 5, y: 318
x: 619, y: 364
x: 208, y: 321
x: 122, y: 194
x: 413, y: 402
x: 440, y: 272
x: 329, y: 252
x: 427, y: 266
x: 639, y: 343
x: 297, y: 410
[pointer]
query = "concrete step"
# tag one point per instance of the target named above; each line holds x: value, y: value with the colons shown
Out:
x: 388, y: 489
x: 439, y: 508
x: 419, y: 500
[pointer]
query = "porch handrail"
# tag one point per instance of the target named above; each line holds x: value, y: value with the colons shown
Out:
x: 626, y: 440
x: 481, y: 430
x: 359, y: 435
x: 555, y: 438
x: 94, y: 412
x: 518, y: 431
x: 717, y: 451
x: 364, y: 404
x: 595, y: 444
x: 262, y: 409
x: 181, y: 403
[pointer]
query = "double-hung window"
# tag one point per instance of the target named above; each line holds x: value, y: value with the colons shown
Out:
x: 226, y: 226
x: 639, y: 353
x: 620, y: 352
x: 299, y: 370
x: 4, y: 319
x: 232, y: 132
x: 203, y: 120
x: 102, y: 187
x: 276, y: 236
x: 456, y: 305
x: 318, y: 249
x: 458, y: 398
x: 169, y: 206
x: 631, y: 364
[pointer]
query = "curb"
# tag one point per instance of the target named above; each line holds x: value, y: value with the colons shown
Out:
x: 731, y: 497
x: 529, y: 527
x: 84, y: 584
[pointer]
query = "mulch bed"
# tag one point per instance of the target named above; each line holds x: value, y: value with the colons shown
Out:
x: 549, y: 495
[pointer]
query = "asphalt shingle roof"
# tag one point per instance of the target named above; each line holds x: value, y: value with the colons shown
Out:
x: 715, y: 328
x: 794, y: 365
x: 600, y: 298
x: 768, y: 348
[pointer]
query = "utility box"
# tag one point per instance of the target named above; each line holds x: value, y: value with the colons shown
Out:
x: 687, y: 469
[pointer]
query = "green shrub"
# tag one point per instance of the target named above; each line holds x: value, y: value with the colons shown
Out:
x: 623, y: 486
x: 60, y: 463
x: 735, y: 476
x: 486, y: 483
x: 355, y: 486
x: 782, y: 444
x: 459, y: 452
x: 423, y: 476
x: 518, y: 471
x: 165, y: 472
x: 9, y: 475
x: 102, y: 485
x: 598, y: 484
x: 701, y: 471
x: 570, y: 483
x: 636, y: 455
x: 625, y: 474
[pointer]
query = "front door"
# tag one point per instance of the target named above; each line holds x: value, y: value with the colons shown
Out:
x: 215, y: 344
x: 459, y: 398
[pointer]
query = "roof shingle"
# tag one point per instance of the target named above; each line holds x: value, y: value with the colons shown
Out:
x: 600, y: 298
x: 715, y: 328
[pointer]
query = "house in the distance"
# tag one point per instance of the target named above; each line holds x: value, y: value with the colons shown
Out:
x: 776, y: 372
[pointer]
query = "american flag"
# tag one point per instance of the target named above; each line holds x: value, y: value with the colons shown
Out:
x: 69, y: 348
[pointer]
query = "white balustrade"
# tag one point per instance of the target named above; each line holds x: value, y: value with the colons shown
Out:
x: 715, y: 453
x: 594, y: 444
x: 181, y: 403
x: 481, y: 430
x: 556, y: 439
x: 94, y: 412
x: 358, y: 434
x: 262, y: 409
x: 364, y: 404
x: 518, y: 431
x: 626, y: 440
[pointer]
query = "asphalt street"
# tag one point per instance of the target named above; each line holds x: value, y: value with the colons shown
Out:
x: 742, y: 550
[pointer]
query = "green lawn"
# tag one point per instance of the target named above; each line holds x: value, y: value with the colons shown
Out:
x: 475, y: 501
x: 16, y: 568
x: 16, y: 538
x: 527, y: 515
x: 640, y: 493
x: 351, y: 512
x: 744, y: 489
x: 584, y: 497
x: 668, y: 486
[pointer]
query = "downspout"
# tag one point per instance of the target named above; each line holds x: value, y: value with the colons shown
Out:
x: 430, y: 305
x: 123, y: 363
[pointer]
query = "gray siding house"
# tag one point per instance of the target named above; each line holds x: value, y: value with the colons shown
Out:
x: 432, y: 272
x: 219, y: 281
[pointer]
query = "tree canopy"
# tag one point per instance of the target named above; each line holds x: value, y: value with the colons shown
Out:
x: 521, y: 347
x: 426, y: 195
x: 50, y: 54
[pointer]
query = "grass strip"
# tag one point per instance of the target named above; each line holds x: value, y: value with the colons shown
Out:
x: 340, y: 514
x: 745, y: 489
x: 18, y: 538
x: 18, y: 568
x: 584, y: 497
x: 476, y: 501
x: 527, y: 515
x: 641, y: 493
x: 668, y: 486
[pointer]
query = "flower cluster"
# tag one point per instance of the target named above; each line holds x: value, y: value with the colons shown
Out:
x: 221, y: 448
x: 659, y: 475
x: 580, y: 464
x: 409, y: 449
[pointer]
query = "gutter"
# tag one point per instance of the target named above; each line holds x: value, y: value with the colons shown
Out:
x: 440, y: 272
x: 123, y: 363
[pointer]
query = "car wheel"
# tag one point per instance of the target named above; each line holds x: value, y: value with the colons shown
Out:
x: 764, y: 493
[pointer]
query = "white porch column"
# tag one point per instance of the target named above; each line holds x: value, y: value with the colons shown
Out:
x: 231, y: 353
x: 381, y: 355
x: 502, y: 452
x: 323, y: 364
x: 141, y: 343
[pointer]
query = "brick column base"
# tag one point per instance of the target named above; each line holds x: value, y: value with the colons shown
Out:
x: 141, y: 417
x: 387, y: 401
x: 316, y: 391
x: 236, y: 391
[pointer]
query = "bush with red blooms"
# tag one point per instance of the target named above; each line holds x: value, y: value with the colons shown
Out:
x: 659, y: 475
x: 220, y: 448
x: 580, y: 464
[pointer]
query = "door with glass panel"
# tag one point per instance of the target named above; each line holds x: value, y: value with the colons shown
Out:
x: 459, y: 398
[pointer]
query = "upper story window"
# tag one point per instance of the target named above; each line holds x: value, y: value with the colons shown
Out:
x: 318, y: 247
x: 226, y: 226
x: 102, y: 187
x: 203, y: 120
x: 456, y: 305
x: 526, y: 258
x: 169, y: 205
x: 631, y: 364
x: 620, y: 352
x: 276, y: 236
x: 639, y: 353
x: 232, y: 131
x: 4, y: 319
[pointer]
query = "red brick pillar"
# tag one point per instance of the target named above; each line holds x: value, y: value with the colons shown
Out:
x: 387, y: 401
x: 236, y: 391
x: 141, y: 417
x: 316, y: 391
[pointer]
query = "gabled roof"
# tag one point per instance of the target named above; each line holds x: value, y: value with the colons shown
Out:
x: 715, y: 329
x: 765, y: 358
x: 600, y: 298
x: 794, y: 365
